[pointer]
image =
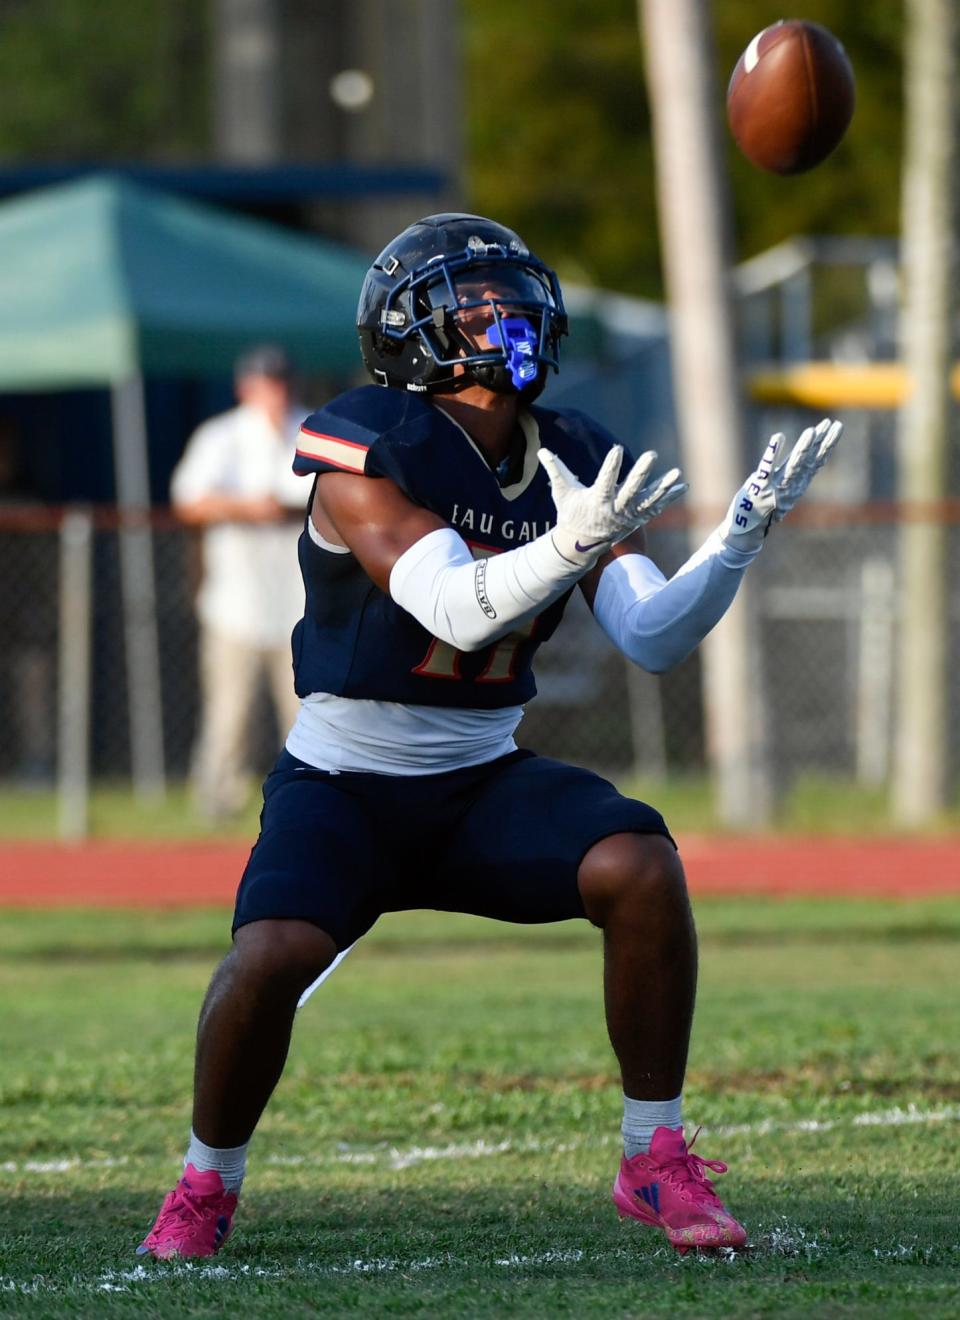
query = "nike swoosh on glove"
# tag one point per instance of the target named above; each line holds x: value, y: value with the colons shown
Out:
x: 590, y: 519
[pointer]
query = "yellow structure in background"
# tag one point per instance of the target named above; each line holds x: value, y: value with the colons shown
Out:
x: 831, y: 385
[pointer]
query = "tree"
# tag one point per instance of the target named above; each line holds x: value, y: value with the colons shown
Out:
x: 557, y: 125
x: 559, y: 139
x: 104, y: 81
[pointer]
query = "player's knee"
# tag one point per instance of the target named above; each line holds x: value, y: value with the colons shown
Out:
x: 637, y: 872
x: 285, y: 956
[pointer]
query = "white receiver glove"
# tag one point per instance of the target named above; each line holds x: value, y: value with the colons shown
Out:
x: 771, y: 492
x: 590, y: 519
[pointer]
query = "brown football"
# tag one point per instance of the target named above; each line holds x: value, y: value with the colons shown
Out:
x: 790, y: 97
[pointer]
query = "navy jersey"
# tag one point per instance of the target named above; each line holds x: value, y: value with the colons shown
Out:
x: 354, y: 640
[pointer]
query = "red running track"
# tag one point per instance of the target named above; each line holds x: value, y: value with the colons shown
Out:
x: 204, y: 874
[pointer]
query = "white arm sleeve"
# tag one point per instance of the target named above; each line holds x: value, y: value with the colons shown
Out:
x: 471, y: 602
x: 656, y: 623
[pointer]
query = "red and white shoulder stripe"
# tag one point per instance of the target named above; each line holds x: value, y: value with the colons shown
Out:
x: 332, y: 449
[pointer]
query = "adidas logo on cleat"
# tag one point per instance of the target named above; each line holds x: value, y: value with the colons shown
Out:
x: 651, y: 1194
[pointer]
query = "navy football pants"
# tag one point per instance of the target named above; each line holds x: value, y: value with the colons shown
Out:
x: 503, y: 840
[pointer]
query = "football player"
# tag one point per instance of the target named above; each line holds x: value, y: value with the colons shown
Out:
x: 450, y: 519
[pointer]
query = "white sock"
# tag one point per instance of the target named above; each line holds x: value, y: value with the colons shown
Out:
x: 641, y: 1118
x: 230, y: 1163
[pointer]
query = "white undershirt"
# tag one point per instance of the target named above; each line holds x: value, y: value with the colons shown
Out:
x: 391, y: 738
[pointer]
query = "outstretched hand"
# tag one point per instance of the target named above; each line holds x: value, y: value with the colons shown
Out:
x: 590, y: 519
x: 770, y: 493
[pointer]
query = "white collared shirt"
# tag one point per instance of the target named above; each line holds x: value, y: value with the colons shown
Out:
x: 252, y: 589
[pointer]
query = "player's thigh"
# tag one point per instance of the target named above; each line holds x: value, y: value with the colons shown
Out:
x: 319, y: 856
x: 519, y: 847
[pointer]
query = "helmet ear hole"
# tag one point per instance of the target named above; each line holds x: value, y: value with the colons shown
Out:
x: 388, y: 347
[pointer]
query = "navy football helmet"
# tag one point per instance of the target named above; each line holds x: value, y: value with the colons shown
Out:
x: 457, y: 300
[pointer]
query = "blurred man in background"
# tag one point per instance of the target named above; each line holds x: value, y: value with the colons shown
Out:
x: 235, y: 481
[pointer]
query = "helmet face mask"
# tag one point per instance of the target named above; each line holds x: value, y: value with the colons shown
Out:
x: 456, y: 301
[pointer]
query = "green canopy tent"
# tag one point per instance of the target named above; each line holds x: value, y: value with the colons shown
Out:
x: 103, y: 281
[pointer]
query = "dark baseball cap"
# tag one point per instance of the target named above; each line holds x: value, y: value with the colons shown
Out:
x: 264, y: 360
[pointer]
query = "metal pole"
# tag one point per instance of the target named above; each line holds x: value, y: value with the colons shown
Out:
x: 929, y: 216
x: 647, y: 732
x: 141, y: 641
x: 875, y: 670
x: 73, y: 678
x: 796, y: 316
x: 694, y: 215
x: 247, y: 80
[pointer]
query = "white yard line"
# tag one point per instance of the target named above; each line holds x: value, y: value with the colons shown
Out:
x: 402, y: 1159
x: 783, y: 1239
x: 159, y: 1273
x: 395, y: 1157
x: 62, y: 1165
x: 896, y: 1117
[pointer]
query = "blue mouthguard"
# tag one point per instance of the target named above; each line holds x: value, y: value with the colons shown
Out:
x: 520, y: 347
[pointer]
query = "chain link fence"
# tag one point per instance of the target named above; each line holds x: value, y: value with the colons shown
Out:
x: 825, y: 592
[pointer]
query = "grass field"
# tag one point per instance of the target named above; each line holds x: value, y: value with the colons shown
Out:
x: 814, y: 804
x: 446, y: 1133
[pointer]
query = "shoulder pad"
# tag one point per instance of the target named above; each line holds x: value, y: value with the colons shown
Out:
x: 339, y: 436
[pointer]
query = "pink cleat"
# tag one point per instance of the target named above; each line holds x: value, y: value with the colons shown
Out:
x: 194, y: 1220
x: 669, y: 1189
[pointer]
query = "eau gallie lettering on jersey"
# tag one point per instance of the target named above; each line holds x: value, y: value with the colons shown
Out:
x: 509, y: 529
